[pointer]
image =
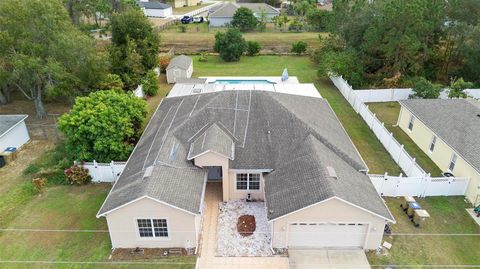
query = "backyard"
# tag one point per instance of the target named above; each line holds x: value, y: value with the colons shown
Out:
x: 183, y: 10
x: 388, y: 114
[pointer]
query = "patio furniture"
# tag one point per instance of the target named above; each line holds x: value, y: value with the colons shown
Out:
x: 419, y: 216
x: 405, y: 201
x: 412, y: 206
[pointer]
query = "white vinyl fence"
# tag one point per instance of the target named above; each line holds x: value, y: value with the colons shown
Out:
x: 104, y: 172
x: 418, y: 186
x: 417, y: 182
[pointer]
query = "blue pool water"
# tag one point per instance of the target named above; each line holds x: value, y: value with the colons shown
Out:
x: 241, y: 81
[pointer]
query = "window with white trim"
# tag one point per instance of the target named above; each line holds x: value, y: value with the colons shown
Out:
x: 152, y: 227
x: 248, y: 181
x: 453, y: 161
x: 410, y: 122
x: 432, y: 144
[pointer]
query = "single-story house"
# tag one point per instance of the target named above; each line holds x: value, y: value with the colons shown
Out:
x: 13, y: 131
x: 448, y: 131
x: 155, y: 9
x: 180, y: 67
x: 289, y: 151
x: 221, y: 15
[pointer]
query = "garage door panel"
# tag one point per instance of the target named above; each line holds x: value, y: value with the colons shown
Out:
x: 327, y: 235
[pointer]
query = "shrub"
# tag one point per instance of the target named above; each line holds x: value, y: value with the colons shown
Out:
x: 77, y: 175
x: 230, y: 45
x: 299, y: 47
x: 253, y: 48
x: 425, y: 89
x: 244, y: 19
x: 163, y: 62
x: 31, y: 169
x: 39, y: 183
x: 182, y: 28
x: 457, y: 88
x: 150, y: 83
x: 203, y: 57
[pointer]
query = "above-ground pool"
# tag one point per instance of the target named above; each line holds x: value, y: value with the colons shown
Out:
x: 241, y: 81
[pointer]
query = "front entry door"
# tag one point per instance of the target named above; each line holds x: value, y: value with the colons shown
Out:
x: 214, y: 174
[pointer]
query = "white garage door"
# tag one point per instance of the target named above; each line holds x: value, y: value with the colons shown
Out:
x: 327, y: 235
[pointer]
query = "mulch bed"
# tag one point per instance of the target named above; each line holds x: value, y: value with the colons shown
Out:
x: 246, y: 225
x: 142, y: 253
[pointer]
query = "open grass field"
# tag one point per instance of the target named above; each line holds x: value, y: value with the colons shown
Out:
x: 388, y: 113
x: 183, y: 10
x: 448, y: 216
x: 198, y: 38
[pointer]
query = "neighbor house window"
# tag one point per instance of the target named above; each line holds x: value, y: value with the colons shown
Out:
x: 432, y: 144
x: 452, y: 162
x: 247, y: 181
x: 152, y: 227
x: 410, y: 122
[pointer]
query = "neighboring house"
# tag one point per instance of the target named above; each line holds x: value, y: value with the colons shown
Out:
x: 155, y: 9
x: 223, y: 14
x: 13, y: 131
x: 287, y: 150
x: 448, y: 131
x: 180, y: 67
x: 185, y: 3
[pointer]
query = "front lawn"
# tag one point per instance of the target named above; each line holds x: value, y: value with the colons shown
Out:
x: 183, y: 10
x: 388, y: 114
x: 437, y: 242
x: 372, y: 151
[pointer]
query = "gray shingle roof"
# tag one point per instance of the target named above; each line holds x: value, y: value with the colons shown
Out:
x: 181, y: 61
x: 295, y: 136
x: 8, y: 121
x: 153, y: 5
x: 212, y: 139
x: 455, y: 121
x: 228, y: 10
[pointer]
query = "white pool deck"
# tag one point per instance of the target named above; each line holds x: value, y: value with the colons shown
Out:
x: 290, y: 86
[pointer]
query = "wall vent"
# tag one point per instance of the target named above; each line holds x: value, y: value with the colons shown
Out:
x: 331, y: 172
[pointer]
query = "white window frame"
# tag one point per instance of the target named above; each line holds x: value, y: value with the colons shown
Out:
x: 248, y: 182
x: 161, y: 238
x: 453, y: 162
x: 433, y: 143
x: 411, y: 121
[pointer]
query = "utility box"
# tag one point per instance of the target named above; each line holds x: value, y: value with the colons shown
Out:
x: 419, y: 217
x: 405, y: 200
x: 412, y: 206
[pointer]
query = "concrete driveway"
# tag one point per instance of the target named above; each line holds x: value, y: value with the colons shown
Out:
x: 328, y: 259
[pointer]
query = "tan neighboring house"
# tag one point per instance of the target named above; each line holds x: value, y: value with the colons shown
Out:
x: 222, y: 15
x: 287, y: 150
x: 184, y: 3
x: 448, y: 131
x: 180, y: 67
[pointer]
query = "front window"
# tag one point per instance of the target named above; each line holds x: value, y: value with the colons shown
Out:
x: 152, y: 227
x: 248, y: 181
x: 410, y: 122
x: 452, y: 162
x: 432, y: 145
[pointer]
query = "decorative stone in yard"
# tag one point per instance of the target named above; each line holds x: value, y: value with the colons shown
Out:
x: 246, y: 225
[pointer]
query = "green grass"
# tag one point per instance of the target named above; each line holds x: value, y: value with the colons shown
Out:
x: 372, y: 151
x: 388, y: 113
x: 448, y: 216
x: 183, y: 10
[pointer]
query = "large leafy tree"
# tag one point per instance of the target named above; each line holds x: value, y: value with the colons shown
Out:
x: 244, y: 19
x: 134, y: 46
x: 230, y: 45
x: 43, y: 55
x: 104, y: 125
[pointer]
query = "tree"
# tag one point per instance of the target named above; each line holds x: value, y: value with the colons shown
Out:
x: 344, y: 63
x: 103, y: 126
x: 458, y: 87
x: 111, y: 82
x: 244, y: 19
x: 281, y: 21
x: 43, y: 55
x: 253, y: 48
x: 318, y: 19
x: 230, y: 45
x: 262, y: 21
x: 150, y: 83
x: 134, y: 48
x: 299, y: 47
x: 425, y: 89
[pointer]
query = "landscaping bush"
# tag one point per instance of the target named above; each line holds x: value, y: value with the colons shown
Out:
x: 424, y: 89
x: 458, y: 87
x: 163, y: 61
x: 246, y: 225
x: 299, y: 47
x: 253, y: 48
x: 203, y: 57
x: 77, y: 175
x: 150, y: 83
x: 230, y: 45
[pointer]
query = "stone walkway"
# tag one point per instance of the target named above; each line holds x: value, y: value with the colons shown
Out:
x: 207, y: 253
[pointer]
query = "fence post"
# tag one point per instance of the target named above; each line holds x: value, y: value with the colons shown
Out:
x: 428, y: 180
x: 95, y: 164
x: 400, y: 155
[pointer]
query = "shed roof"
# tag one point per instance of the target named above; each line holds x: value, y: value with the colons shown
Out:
x: 182, y: 61
x: 153, y: 5
x: 8, y: 121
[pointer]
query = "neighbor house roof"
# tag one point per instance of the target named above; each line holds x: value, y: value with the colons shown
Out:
x: 228, y: 10
x: 153, y: 5
x: 9, y: 121
x: 181, y: 61
x: 455, y: 121
x: 296, y: 137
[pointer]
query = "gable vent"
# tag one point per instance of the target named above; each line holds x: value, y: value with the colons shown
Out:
x: 331, y: 172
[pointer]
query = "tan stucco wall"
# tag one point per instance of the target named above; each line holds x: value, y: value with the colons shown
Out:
x: 441, y: 154
x: 330, y: 211
x: 213, y: 159
x: 124, y: 233
x: 242, y: 194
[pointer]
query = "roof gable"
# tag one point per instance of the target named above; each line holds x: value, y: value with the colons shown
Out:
x: 213, y: 139
x: 182, y: 61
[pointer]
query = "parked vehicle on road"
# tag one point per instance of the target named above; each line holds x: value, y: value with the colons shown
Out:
x: 198, y: 19
x: 186, y: 19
